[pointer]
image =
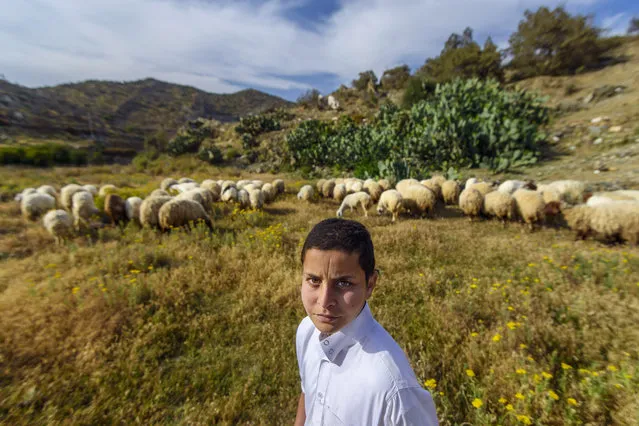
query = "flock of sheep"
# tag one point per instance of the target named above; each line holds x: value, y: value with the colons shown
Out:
x: 612, y: 216
x: 175, y: 204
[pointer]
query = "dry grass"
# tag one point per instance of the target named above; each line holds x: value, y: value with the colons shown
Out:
x: 136, y: 327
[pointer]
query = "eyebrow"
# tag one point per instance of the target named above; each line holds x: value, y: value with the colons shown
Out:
x: 341, y: 277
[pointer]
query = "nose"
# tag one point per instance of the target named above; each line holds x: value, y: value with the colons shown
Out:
x: 325, y: 298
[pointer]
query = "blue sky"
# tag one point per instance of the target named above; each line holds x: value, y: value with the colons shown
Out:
x: 283, y: 47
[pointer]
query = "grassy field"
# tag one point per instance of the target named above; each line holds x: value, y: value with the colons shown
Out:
x: 130, y: 326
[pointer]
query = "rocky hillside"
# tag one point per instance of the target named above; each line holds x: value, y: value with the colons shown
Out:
x: 118, y: 114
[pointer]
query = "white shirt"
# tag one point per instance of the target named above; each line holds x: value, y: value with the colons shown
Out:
x: 359, y: 376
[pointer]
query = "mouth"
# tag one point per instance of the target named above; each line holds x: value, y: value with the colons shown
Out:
x: 328, y: 319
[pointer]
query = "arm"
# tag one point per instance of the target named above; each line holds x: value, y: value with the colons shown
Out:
x: 300, y: 418
x: 410, y: 407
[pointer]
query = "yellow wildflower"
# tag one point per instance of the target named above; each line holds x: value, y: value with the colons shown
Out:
x: 618, y: 385
x: 473, y: 286
x: 497, y: 337
x: 510, y: 308
x: 509, y: 407
x: 519, y: 396
x: 75, y: 290
x: 595, y: 374
x: 474, y: 334
x: 430, y: 383
x: 511, y: 325
x: 477, y: 403
x: 553, y: 395
x: 502, y: 400
x: 524, y: 419
x: 572, y: 401
x: 546, y: 375
x: 520, y: 371
x: 529, y: 358
x: 522, y: 346
x: 612, y: 368
x: 470, y: 373
x: 565, y: 366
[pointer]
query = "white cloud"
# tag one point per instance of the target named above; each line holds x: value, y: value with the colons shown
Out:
x: 224, y: 45
x: 616, y: 24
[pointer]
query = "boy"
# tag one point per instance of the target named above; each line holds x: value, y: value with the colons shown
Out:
x: 352, y: 371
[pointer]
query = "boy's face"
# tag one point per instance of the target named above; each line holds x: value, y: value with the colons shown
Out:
x: 334, y: 288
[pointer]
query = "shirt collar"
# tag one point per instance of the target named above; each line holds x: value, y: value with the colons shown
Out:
x: 353, y: 332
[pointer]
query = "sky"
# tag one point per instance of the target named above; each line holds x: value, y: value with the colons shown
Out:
x: 282, y: 47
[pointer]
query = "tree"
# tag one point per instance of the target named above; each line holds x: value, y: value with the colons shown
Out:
x: 310, y: 98
x: 551, y: 42
x: 365, y: 79
x: 418, y: 88
x: 395, y: 78
x: 463, y: 58
x: 633, y: 27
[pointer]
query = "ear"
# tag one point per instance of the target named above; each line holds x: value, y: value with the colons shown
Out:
x: 372, y: 282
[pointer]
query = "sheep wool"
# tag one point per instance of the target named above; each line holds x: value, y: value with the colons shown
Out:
x: 270, y: 192
x: 230, y: 195
x: 572, y: 192
x: 500, y: 205
x: 339, y: 192
x: 159, y: 193
x: 374, y: 190
x: 132, y: 207
x: 483, y: 187
x: 150, y: 209
x: 256, y: 199
x: 353, y: 200
x: 83, y: 208
x: 185, y: 180
x: 106, y: 189
x: 227, y: 184
x: 115, y: 208
x: 47, y: 189
x: 59, y: 224
x: 405, y: 183
x: 279, y: 185
x: 510, y: 186
x: 433, y: 186
x: 306, y: 193
x: 92, y: 189
x: 618, y: 220
x: 418, y: 199
x: 385, y: 184
x: 530, y: 206
x: 167, y: 183
x: 66, y: 195
x: 450, y: 192
x: 212, y: 186
x: 34, y: 205
x: 471, y: 202
x: 243, y: 198
x: 319, y: 185
x: 438, y: 179
x: 390, y: 201
x: 327, y: 188
x: 182, y: 213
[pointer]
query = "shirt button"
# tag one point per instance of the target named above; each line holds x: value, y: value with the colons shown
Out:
x: 320, y: 395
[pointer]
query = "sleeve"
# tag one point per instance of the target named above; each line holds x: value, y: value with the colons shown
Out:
x: 300, y: 343
x: 411, y: 407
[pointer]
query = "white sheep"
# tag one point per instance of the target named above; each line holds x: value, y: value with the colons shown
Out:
x: 632, y: 193
x: 59, y: 224
x: 438, y: 179
x: 471, y: 181
x: 390, y: 201
x: 181, y: 188
x: 434, y: 186
x: 226, y: 185
x: 230, y: 195
x: 306, y: 193
x: 319, y: 185
x: 471, y: 202
x: 617, y: 220
x: 417, y: 199
x: 132, y: 206
x: 450, y: 192
x: 240, y: 184
x: 256, y: 199
x: 499, y: 204
x: 327, y: 188
x: 385, y: 184
x: 47, y: 189
x: 159, y: 193
x: 149, y: 210
x: 510, y: 186
x: 66, y: 195
x: 572, y: 192
x: 279, y: 185
x: 258, y: 184
x: 105, y: 190
x: 373, y: 189
x: 243, y: 198
x: 24, y: 193
x: 353, y: 200
x: 405, y: 183
x: 483, y: 187
x: 270, y: 192
x: 182, y: 213
x: 212, y: 186
x: 339, y: 192
x: 35, y: 205
x: 356, y: 186
x: 530, y: 206
x: 92, y: 189
x: 204, y: 196
x: 185, y: 180
x: 167, y: 183
x: 83, y: 208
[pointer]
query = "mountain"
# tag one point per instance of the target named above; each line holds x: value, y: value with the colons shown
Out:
x: 118, y: 114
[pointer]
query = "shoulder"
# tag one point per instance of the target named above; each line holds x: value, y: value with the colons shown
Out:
x: 304, y: 332
x: 394, y: 367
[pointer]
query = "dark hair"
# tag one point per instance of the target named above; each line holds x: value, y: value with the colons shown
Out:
x: 344, y: 235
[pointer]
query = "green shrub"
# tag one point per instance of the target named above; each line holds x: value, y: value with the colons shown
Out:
x: 468, y: 123
x: 211, y: 154
x: 183, y: 144
x: 43, y: 155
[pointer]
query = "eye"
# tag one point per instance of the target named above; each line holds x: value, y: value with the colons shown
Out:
x: 344, y: 284
x: 314, y: 281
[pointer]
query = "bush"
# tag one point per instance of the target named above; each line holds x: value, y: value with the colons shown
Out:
x: 551, y: 42
x: 468, y: 123
x: 395, y: 78
x: 364, y: 80
x: 211, y: 154
x: 183, y: 144
x: 309, y: 99
x: 417, y: 89
x: 43, y: 155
